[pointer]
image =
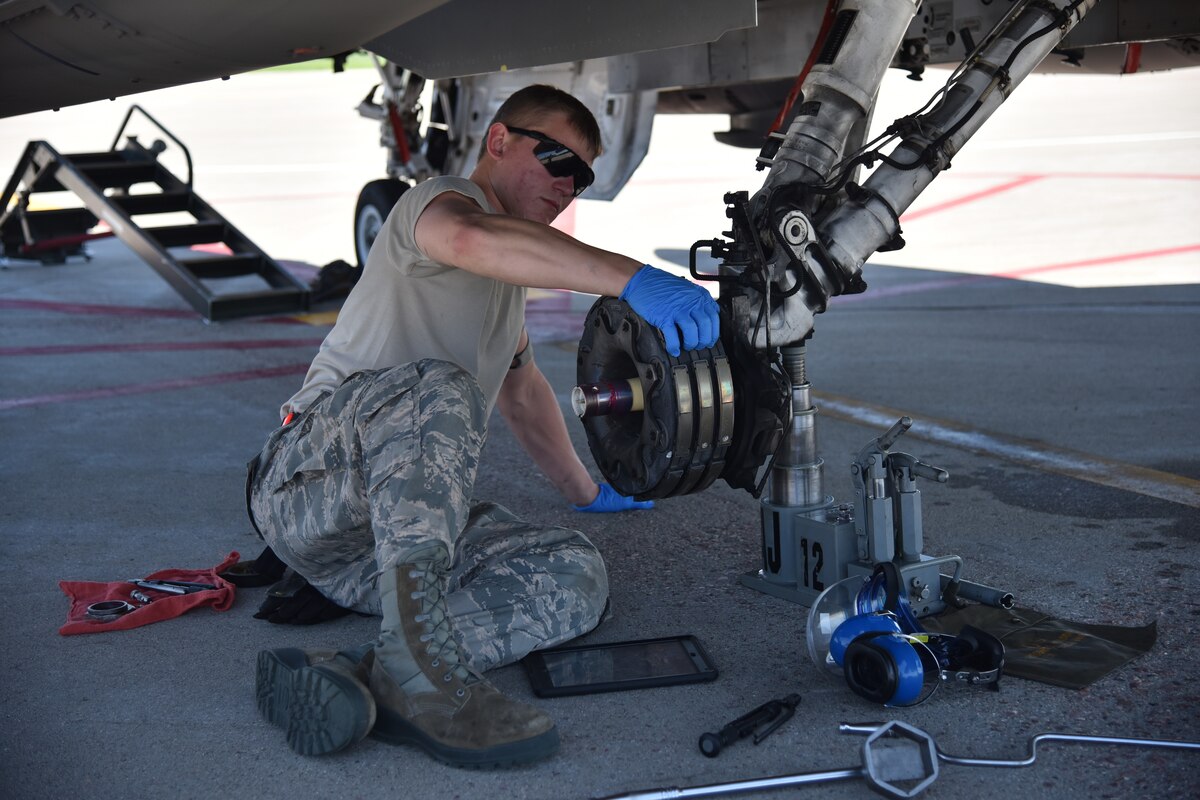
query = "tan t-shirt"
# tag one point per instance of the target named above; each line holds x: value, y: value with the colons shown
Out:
x: 406, y: 307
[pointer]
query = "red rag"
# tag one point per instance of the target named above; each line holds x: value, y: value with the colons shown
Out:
x: 84, y: 593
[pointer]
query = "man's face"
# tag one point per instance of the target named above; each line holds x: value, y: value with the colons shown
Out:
x: 523, y: 185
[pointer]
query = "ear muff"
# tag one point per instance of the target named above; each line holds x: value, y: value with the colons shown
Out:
x: 885, y: 668
x: 857, y: 627
x: 981, y: 650
x: 976, y: 650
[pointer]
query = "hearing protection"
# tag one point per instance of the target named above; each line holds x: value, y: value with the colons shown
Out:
x: 884, y: 653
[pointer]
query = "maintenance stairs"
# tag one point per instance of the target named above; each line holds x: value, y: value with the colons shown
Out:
x: 103, y: 181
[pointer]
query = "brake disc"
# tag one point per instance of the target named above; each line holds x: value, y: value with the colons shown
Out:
x: 660, y: 425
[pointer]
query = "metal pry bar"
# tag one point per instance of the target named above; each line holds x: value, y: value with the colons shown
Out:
x: 1031, y: 749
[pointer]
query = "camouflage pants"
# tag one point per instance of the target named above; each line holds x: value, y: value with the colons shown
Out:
x: 385, y: 464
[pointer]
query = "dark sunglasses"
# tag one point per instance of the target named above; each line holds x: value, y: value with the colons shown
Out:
x: 559, y: 160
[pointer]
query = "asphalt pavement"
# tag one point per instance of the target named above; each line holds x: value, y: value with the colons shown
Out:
x: 126, y: 422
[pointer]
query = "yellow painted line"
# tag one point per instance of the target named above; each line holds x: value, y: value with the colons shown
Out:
x: 317, y: 318
x: 1027, y: 452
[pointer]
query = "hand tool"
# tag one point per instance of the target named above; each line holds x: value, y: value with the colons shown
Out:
x: 109, y: 610
x: 898, y: 761
x: 869, y: 728
x: 770, y: 715
x: 172, y: 587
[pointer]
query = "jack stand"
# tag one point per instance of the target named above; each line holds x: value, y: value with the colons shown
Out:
x: 811, y: 542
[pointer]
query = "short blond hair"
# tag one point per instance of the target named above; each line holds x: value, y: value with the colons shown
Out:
x: 525, y: 107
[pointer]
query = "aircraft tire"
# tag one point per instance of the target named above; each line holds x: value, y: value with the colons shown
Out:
x: 375, y: 202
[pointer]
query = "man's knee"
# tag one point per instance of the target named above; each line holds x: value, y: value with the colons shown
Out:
x: 577, y: 572
x: 588, y: 581
x: 448, y: 390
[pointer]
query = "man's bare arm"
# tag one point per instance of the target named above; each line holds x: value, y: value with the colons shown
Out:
x: 528, y: 404
x: 453, y: 230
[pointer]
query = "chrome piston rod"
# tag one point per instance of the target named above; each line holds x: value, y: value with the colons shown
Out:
x: 797, y: 477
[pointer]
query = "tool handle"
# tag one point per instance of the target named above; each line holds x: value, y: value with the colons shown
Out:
x: 894, y: 433
x: 187, y: 584
x: 161, y: 587
x: 930, y: 472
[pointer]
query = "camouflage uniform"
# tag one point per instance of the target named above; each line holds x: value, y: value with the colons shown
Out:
x: 386, y: 463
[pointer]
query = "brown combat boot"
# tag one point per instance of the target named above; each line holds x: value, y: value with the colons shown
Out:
x: 426, y: 696
x: 318, y: 696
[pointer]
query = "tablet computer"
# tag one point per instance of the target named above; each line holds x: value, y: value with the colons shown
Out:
x: 616, y: 666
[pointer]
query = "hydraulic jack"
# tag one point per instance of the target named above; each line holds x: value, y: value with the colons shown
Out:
x: 810, y: 541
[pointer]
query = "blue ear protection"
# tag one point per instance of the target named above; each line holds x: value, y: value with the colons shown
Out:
x: 858, y: 626
x: 887, y: 656
x: 886, y: 668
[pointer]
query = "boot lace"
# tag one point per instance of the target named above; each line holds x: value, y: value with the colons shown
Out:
x: 438, y: 637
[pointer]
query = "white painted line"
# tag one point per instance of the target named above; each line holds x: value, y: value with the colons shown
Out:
x: 1140, y: 480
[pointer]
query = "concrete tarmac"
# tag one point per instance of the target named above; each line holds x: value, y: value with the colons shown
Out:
x: 126, y: 423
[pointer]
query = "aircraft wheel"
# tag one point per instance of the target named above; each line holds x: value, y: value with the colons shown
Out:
x: 375, y: 202
x: 660, y: 425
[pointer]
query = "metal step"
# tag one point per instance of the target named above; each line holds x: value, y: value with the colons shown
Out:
x: 107, y: 174
x: 224, y: 266
x: 120, y: 173
x: 187, y: 235
x: 270, y: 301
x: 155, y: 203
x: 99, y: 157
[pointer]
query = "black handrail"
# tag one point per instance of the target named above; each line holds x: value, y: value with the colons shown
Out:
x: 186, y: 153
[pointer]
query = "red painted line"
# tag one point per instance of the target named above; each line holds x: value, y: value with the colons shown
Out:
x: 922, y: 286
x: 95, y: 308
x: 972, y: 197
x: 118, y: 311
x: 1136, y: 176
x: 160, y: 386
x: 1092, y: 262
x: 152, y: 347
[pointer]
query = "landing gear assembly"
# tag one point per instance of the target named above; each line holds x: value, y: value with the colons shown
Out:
x: 660, y: 426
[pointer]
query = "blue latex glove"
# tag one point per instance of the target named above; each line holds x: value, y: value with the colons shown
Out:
x: 610, y: 500
x: 674, y: 306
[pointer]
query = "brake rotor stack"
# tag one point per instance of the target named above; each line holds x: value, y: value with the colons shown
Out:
x: 660, y: 425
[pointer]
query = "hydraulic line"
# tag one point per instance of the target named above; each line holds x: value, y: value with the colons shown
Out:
x: 857, y: 229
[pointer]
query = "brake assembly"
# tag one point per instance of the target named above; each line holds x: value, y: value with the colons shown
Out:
x: 660, y: 425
